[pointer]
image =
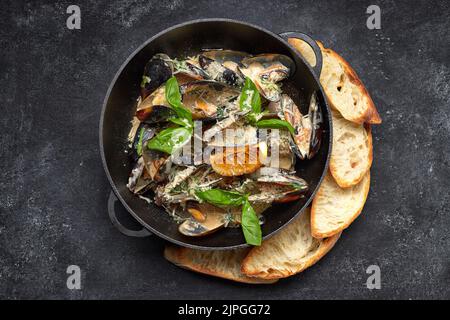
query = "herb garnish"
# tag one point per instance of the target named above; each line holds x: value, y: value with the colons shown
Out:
x: 250, y: 101
x: 249, y: 220
x: 171, y: 139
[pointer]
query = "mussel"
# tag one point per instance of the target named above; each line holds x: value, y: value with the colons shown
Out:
x: 189, y: 70
x: 233, y: 116
x: 139, y: 180
x: 135, y: 174
x: 182, y: 181
x: 143, y: 133
x: 266, y: 70
x: 301, y: 124
x: 205, y: 98
x: 205, y: 219
x: 277, y: 185
x: 218, y: 72
x: 157, y: 164
x: 156, y: 72
x: 135, y: 123
x: 308, y: 128
x: 155, y: 107
x: 148, y: 163
x: 225, y: 57
x: 316, y: 118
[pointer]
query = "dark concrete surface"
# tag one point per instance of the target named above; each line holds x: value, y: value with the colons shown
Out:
x: 53, y: 191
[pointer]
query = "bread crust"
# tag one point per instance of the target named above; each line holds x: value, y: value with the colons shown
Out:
x: 371, y: 114
x: 272, y: 274
x: 320, y: 235
x: 350, y: 183
x: 178, y: 256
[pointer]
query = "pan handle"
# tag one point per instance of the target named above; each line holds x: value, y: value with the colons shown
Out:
x: 112, y: 199
x: 312, y: 43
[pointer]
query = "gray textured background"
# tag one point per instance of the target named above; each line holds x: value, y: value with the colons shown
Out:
x: 53, y: 191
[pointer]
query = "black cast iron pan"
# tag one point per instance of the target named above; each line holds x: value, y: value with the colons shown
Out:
x: 178, y: 41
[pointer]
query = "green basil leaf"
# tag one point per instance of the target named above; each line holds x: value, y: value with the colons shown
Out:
x: 139, y: 144
x: 275, y: 124
x: 220, y: 197
x: 250, y: 225
x: 183, y: 113
x: 170, y: 139
x: 173, y: 96
x: 250, y: 99
x: 181, y: 121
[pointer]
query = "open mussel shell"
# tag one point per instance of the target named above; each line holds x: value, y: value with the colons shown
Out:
x: 218, y: 72
x: 225, y: 56
x: 212, y: 219
x: 189, y: 71
x: 274, y: 184
x: 139, y: 181
x: 270, y: 60
x: 281, y: 177
x: 157, y: 114
x: 179, y: 181
x: 266, y: 70
x: 316, y: 118
x: 287, y: 110
x: 143, y: 133
x: 204, y: 98
x: 135, y: 174
x: 148, y: 163
x: 272, y: 192
x: 155, y: 163
x: 156, y: 72
x: 227, y: 118
x: 155, y: 107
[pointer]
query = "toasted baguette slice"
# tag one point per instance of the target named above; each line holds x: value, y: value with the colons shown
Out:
x: 223, y: 264
x: 305, y: 50
x: 345, y: 91
x: 290, y: 251
x: 334, y: 208
x: 352, y: 154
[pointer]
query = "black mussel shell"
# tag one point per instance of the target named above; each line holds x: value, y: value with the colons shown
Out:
x: 147, y: 132
x: 219, y: 73
x: 315, y: 114
x: 156, y: 72
x: 157, y: 114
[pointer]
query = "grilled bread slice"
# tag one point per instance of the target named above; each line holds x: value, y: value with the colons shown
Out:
x: 345, y: 91
x: 223, y: 264
x: 352, y: 154
x: 290, y: 251
x: 334, y: 208
x: 305, y: 50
